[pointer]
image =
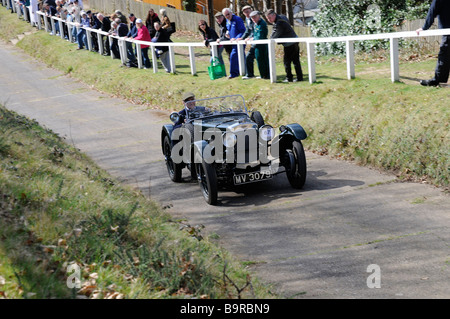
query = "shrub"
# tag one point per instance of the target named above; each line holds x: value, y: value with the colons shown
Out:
x: 355, y: 17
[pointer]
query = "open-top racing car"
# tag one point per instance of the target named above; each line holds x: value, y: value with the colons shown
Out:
x: 221, y: 143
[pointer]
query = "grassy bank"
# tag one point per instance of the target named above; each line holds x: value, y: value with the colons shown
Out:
x: 58, y: 209
x: 401, y: 127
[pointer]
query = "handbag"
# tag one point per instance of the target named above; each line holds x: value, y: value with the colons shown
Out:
x: 216, y: 70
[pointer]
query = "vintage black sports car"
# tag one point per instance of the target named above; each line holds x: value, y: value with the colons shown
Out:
x: 221, y: 143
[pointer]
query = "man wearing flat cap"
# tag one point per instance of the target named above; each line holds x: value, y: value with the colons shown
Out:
x: 188, y: 99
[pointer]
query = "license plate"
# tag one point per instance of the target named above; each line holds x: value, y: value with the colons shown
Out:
x: 252, y: 177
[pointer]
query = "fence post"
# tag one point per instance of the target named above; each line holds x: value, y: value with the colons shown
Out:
x: 53, y: 25
x: 39, y: 21
x: 214, y: 49
x: 272, y: 65
x: 61, y: 29
x: 100, y: 43
x: 110, y: 41
x: 350, y: 52
x: 123, y: 51
x: 172, y: 59
x: 89, y: 39
x: 311, y: 61
x: 45, y: 22
x: 241, y: 59
x: 192, y: 59
x: 139, y: 56
x: 395, y: 74
x: 154, y: 59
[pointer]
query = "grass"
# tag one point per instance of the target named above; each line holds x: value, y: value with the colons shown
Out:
x: 400, y: 127
x: 58, y: 209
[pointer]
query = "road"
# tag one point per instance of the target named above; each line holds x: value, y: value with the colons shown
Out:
x: 320, y: 242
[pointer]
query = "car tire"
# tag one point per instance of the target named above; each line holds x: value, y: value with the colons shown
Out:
x: 257, y: 118
x: 207, y: 179
x: 297, y: 174
x: 174, y: 170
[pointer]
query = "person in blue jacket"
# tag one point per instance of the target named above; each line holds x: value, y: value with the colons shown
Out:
x: 236, y: 29
x: 440, y: 9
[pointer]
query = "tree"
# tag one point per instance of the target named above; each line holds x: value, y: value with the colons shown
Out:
x: 190, y: 5
x: 351, y: 17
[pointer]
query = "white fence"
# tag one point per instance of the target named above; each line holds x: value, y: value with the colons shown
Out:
x: 310, y: 44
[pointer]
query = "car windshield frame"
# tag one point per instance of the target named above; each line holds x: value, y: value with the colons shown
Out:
x: 216, y: 107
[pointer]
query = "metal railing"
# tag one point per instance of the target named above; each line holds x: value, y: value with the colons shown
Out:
x: 271, y: 43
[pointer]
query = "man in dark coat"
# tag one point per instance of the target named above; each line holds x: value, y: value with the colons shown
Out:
x: 440, y: 9
x: 282, y: 29
x: 222, y: 23
x: 105, y: 26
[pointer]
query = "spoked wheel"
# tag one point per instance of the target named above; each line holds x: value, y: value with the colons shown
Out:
x: 173, y: 169
x: 207, y: 179
x: 296, y: 172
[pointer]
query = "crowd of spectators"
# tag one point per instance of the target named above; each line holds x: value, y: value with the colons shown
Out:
x: 158, y: 29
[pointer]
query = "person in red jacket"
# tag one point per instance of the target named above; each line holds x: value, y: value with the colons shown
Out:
x: 143, y: 35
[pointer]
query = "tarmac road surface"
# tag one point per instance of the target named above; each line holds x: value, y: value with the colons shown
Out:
x: 350, y: 230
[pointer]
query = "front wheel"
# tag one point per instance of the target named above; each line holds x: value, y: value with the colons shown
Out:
x: 296, y: 172
x: 173, y: 169
x: 207, y: 179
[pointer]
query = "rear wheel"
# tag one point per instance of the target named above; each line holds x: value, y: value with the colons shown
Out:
x: 173, y: 169
x: 207, y: 179
x: 296, y: 172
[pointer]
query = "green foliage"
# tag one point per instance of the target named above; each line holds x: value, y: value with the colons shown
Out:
x: 190, y: 5
x: 357, y: 17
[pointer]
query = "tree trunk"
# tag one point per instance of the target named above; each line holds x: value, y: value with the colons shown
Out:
x: 211, y: 14
x: 278, y: 6
x: 290, y: 11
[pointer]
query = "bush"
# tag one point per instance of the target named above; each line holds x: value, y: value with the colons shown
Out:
x: 356, y: 17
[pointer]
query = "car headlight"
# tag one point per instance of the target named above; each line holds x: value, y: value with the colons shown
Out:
x: 229, y: 139
x: 174, y: 117
x: 266, y: 133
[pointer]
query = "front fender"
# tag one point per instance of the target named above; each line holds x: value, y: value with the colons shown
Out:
x: 166, y: 130
x: 296, y: 130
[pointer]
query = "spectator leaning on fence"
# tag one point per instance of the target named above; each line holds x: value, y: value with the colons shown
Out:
x: 260, y: 32
x: 162, y: 52
x: 250, y: 57
x: 236, y: 28
x: 209, y: 35
x: 222, y: 24
x: 105, y: 26
x: 440, y: 9
x: 81, y: 35
x: 282, y: 29
x: 132, y: 33
x: 143, y: 35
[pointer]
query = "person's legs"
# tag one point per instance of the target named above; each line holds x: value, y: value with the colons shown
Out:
x: 443, y: 63
x: 249, y: 63
x: 296, y: 61
x: 262, y: 59
x: 145, y: 59
x: 80, y: 38
x: 234, y: 62
x: 165, y: 60
x: 287, y: 59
